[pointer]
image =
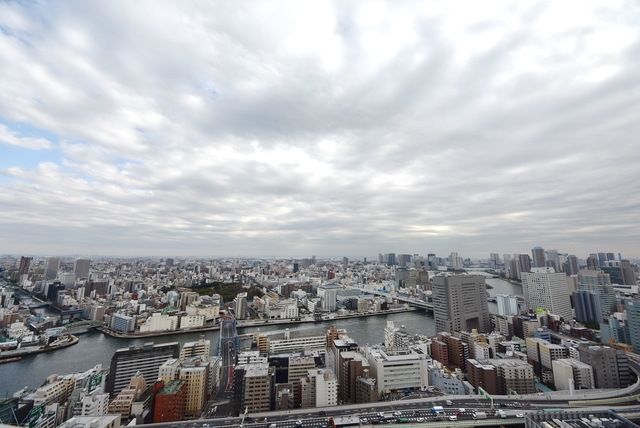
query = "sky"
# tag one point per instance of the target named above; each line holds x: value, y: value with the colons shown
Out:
x: 290, y: 129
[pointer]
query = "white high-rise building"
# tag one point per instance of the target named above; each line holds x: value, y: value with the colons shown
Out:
x: 241, y: 306
x: 319, y: 389
x: 328, y: 294
x: 569, y: 373
x: 456, y: 261
x: 544, y: 288
x: 507, y: 305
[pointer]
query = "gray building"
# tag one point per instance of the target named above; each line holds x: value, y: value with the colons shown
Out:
x: 610, y: 366
x: 146, y: 359
x: 460, y: 303
x: 81, y: 268
x: 52, y: 264
x: 538, y: 257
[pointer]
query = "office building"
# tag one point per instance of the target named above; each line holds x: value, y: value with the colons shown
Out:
x: 460, y: 303
x: 545, y: 289
x: 351, y: 365
x: 121, y: 404
x: 256, y: 388
x: 296, y: 344
x: 146, y: 359
x: 106, y: 421
x: 240, y: 308
x: 319, y: 389
x: 201, y: 347
x: 570, y: 374
x: 524, y: 263
x: 599, y: 282
x: 23, y: 268
x: 610, y: 366
x: 502, y: 376
x: 507, y: 305
x: 538, y: 257
x: 571, y: 265
x: 587, y: 306
x: 632, y: 308
x: 81, y: 268
x: 328, y: 294
x: 196, y: 373
x: 52, y: 264
x: 396, y: 370
x: 299, y: 367
x: 170, y: 401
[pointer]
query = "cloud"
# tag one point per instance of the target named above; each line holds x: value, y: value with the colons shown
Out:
x: 329, y: 129
x: 7, y: 136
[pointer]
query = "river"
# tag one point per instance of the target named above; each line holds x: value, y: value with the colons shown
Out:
x: 96, y: 348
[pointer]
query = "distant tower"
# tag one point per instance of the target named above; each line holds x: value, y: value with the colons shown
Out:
x: 51, y: 268
x: 228, y: 351
x: 81, y: 268
x: 538, y: 257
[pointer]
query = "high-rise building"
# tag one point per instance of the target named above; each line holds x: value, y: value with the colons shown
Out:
x: 610, y: 366
x: 256, y: 388
x: 196, y: 372
x: 571, y: 265
x: 494, y: 260
x: 201, y: 347
x: 319, y: 388
x: 299, y: 367
x: 52, y: 264
x: 587, y: 306
x: 170, y: 401
x: 390, y: 259
x: 569, y: 373
x: 81, y: 268
x: 546, y: 289
x: 455, y: 261
x: 632, y: 307
x: 25, y: 263
x: 538, y: 257
x: 460, y: 303
x: 524, y: 263
x: 146, y: 359
x: 600, y: 283
x: 241, y: 306
x: 627, y: 273
x: 507, y: 305
x: 328, y: 294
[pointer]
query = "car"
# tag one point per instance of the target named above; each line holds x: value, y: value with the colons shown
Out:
x: 420, y: 419
x: 449, y: 403
x: 462, y: 410
x: 397, y: 413
x: 520, y: 415
x: 453, y: 418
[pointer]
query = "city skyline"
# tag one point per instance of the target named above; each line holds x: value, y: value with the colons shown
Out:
x: 327, y: 128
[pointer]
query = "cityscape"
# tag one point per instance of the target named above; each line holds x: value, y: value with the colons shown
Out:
x: 319, y: 214
x: 224, y: 341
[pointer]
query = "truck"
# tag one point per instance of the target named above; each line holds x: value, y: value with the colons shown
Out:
x: 479, y: 415
x: 437, y: 409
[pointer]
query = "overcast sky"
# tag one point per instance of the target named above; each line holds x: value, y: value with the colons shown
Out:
x: 264, y: 128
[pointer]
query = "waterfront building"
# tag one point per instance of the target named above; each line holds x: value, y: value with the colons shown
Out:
x: 569, y: 374
x: 460, y: 303
x: 201, y: 347
x: 170, y: 402
x: 121, y: 322
x: 159, y: 322
x: 296, y: 344
x: 543, y: 288
x: 328, y: 294
x: 240, y: 307
x: 146, y: 359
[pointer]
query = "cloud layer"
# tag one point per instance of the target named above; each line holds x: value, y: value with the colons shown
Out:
x: 298, y: 128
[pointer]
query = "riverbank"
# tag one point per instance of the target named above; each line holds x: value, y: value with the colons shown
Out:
x: 17, y: 354
x: 249, y: 324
